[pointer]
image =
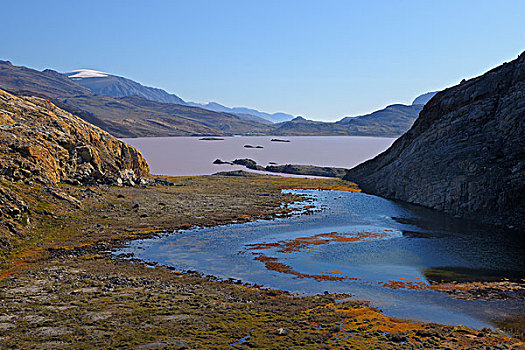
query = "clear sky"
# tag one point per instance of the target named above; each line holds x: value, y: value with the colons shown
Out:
x: 320, y: 59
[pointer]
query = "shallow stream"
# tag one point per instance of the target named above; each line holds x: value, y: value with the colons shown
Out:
x: 367, y: 246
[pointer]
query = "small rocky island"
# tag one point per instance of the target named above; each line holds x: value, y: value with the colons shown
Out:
x: 296, y: 169
x: 279, y: 140
x: 211, y: 139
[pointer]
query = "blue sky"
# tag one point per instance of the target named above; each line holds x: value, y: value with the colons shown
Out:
x: 320, y: 59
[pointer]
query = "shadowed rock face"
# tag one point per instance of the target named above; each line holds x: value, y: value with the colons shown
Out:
x: 43, y: 143
x: 465, y: 154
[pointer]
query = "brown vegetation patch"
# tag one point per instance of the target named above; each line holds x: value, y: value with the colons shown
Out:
x: 272, y: 264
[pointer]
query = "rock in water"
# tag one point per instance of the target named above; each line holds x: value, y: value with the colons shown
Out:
x: 464, y: 155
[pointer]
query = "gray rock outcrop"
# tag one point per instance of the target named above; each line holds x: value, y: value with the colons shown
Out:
x: 464, y: 155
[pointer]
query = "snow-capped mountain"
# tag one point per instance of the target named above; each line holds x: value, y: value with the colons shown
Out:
x: 115, y: 86
x: 86, y: 73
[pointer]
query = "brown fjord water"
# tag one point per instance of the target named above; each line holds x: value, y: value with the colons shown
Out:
x: 181, y: 156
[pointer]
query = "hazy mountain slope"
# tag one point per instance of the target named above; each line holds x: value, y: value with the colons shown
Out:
x: 301, y: 126
x: 273, y: 117
x: 242, y: 111
x: 465, y: 154
x: 223, y: 123
x: 391, y: 121
x: 253, y: 118
x: 115, y: 86
x: 424, y: 98
x: 124, y: 117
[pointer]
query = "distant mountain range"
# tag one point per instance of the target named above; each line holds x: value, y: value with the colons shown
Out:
x: 127, y: 108
x: 244, y: 112
x: 391, y: 121
x: 115, y: 86
x: 129, y: 116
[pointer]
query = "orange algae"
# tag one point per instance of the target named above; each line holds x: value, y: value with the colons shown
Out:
x: 465, y: 290
x: 272, y: 264
x: 304, y: 244
x: 469, y: 290
x: 307, y: 244
x: 373, y: 320
x: 5, y: 274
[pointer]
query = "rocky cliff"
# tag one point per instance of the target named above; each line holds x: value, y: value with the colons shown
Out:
x: 465, y: 154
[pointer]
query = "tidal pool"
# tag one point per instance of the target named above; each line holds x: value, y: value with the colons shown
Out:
x: 373, y: 248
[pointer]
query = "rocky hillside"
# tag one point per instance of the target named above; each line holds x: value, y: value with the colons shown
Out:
x: 41, y: 142
x: 42, y: 145
x: 465, y: 154
x: 393, y: 120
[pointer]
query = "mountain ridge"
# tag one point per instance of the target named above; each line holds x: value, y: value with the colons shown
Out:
x: 116, y: 86
x: 424, y: 98
x: 391, y: 121
x: 118, y: 115
x: 136, y: 116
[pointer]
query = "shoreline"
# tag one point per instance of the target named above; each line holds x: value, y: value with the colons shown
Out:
x: 92, y: 293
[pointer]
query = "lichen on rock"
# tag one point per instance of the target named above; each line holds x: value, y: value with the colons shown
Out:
x: 41, y: 142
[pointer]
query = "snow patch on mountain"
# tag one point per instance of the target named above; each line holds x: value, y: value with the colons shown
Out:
x: 86, y: 73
